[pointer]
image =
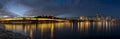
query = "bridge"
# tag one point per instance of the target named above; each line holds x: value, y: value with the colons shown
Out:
x: 40, y: 19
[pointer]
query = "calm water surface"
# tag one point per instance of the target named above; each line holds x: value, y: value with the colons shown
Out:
x: 67, y: 30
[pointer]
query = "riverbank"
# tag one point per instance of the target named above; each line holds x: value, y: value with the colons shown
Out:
x: 4, y: 34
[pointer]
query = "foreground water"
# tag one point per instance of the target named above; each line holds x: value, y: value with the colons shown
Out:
x: 67, y: 30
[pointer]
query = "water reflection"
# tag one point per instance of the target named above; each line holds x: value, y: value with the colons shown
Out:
x: 30, y: 29
x: 83, y: 26
x: 50, y: 30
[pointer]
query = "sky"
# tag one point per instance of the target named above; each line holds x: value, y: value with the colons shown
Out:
x: 59, y: 8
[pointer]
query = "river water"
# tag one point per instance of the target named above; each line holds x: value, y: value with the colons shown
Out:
x: 67, y: 30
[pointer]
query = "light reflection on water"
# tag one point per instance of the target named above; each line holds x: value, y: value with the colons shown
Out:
x: 62, y: 29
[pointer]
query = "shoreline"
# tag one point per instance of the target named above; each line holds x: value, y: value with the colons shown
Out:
x: 5, y: 34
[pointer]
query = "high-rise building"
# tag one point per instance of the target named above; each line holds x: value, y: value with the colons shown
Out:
x: 98, y: 15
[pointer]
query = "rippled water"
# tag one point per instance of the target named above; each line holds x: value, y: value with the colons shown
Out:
x: 67, y: 30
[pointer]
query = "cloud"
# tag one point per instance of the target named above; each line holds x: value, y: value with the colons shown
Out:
x: 52, y: 7
x: 48, y: 7
x: 16, y: 8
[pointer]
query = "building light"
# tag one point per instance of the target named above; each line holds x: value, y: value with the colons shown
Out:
x: 82, y: 17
